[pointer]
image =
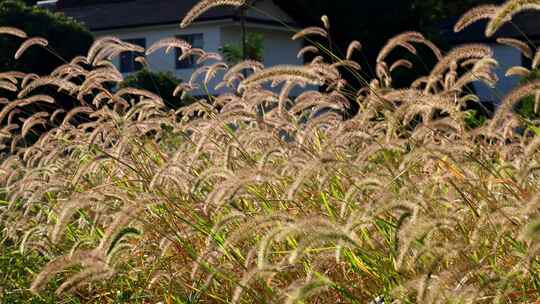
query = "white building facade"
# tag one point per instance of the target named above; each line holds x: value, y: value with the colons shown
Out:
x: 151, y: 21
x: 524, y: 27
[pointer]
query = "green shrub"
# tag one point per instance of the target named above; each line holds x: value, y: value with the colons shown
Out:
x: 526, y: 106
x: 161, y: 83
x: 67, y: 38
x: 254, y: 49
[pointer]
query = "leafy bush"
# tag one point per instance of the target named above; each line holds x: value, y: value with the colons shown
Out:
x: 160, y: 83
x: 234, y: 53
x: 527, y: 106
x: 219, y: 203
x: 26, y: 2
x: 66, y: 38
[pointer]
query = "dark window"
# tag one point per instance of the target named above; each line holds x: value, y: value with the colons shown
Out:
x: 196, y: 41
x: 127, y: 59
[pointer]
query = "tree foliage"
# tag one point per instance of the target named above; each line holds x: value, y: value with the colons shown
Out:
x: 528, y: 107
x: 160, y: 83
x: 27, y: 2
x: 233, y: 52
x: 67, y: 38
x: 374, y: 22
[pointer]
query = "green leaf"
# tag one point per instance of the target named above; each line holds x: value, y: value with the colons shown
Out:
x: 120, y: 235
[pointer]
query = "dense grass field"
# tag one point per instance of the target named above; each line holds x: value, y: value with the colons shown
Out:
x: 258, y: 196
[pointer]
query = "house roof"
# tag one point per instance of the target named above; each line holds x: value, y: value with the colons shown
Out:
x: 135, y: 13
x: 523, y: 26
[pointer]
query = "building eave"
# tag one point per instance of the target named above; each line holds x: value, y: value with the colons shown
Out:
x: 225, y: 20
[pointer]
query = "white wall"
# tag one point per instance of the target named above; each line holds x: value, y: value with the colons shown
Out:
x: 278, y: 47
x: 507, y: 58
x: 160, y: 61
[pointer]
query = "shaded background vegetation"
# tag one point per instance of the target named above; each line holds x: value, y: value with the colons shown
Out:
x: 160, y: 83
x: 66, y: 37
x: 374, y: 22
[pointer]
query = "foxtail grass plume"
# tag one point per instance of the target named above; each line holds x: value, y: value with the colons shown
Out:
x: 510, y: 100
x: 307, y: 49
x: 30, y: 42
x: 284, y: 73
x: 12, y: 31
x: 326, y: 22
x: 506, y: 11
x: 204, y: 6
x: 517, y: 71
x: 353, y: 46
x: 474, y: 15
x: 536, y: 59
x: 168, y: 43
x: 314, y: 30
x: 518, y: 44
